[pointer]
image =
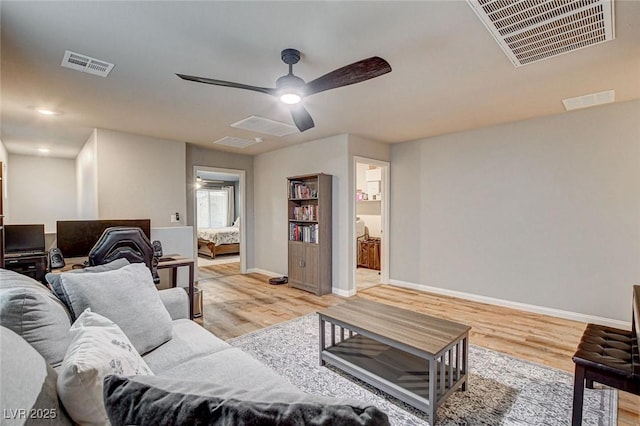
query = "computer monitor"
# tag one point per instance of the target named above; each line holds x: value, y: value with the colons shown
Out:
x: 77, y: 237
x: 23, y: 239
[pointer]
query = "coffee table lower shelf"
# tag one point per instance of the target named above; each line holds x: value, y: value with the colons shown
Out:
x: 394, y: 371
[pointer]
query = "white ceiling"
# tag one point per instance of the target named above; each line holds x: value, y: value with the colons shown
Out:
x: 448, y: 72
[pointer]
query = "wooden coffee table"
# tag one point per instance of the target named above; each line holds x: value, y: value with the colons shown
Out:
x: 417, y: 358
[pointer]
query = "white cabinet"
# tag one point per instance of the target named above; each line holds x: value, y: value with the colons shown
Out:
x: 374, y: 174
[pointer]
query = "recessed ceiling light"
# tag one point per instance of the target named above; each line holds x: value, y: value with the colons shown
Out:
x: 46, y: 111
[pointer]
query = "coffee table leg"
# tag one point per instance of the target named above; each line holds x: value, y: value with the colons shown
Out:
x: 465, y: 359
x: 321, y: 340
x: 433, y: 379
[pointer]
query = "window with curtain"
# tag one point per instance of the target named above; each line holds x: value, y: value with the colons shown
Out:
x: 213, y: 208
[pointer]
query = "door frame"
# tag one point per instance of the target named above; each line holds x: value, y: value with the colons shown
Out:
x: 241, y: 203
x: 384, y: 211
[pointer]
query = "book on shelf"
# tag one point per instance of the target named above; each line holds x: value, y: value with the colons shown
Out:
x: 308, y: 212
x: 302, y: 190
x: 304, y: 233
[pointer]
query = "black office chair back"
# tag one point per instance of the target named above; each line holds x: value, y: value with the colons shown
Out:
x: 129, y: 243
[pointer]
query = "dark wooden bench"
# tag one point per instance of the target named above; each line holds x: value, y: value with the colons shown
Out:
x: 609, y: 356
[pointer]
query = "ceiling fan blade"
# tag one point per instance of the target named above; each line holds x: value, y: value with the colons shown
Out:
x: 301, y: 118
x: 266, y: 90
x: 351, y: 74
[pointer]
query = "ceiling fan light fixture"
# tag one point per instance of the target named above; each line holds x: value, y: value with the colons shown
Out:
x: 48, y: 111
x: 290, y: 98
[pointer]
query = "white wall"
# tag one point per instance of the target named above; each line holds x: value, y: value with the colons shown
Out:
x: 140, y: 177
x: 87, y: 179
x: 543, y: 212
x: 43, y: 190
x: 4, y: 158
x: 271, y: 170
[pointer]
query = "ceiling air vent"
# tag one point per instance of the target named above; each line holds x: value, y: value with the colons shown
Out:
x: 592, y: 99
x: 237, y: 142
x: 532, y: 30
x: 265, y: 126
x: 84, y: 63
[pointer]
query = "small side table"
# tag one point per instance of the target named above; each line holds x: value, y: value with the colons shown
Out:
x: 174, y: 262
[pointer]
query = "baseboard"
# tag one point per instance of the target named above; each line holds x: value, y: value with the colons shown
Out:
x: 343, y: 293
x: 575, y: 316
x: 263, y: 272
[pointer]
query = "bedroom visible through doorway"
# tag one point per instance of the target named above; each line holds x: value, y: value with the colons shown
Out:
x: 219, y: 206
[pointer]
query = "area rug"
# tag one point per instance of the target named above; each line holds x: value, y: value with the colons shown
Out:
x: 502, y: 390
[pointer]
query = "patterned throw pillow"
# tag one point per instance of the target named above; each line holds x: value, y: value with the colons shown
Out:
x: 98, y: 348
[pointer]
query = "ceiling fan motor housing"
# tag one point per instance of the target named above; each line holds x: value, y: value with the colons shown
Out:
x: 290, y: 56
x: 290, y: 81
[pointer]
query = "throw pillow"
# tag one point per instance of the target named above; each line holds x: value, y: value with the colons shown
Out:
x: 165, y: 401
x: 98, y: 348
x: 56, y: 286
x: 28, y: 394
x: 128, y: 297
x: 32, y: 311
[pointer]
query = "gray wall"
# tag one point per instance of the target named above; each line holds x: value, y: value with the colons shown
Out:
x: 199, y: 156
x: 271, y: 170
x: 544, y: 211
x: 333, y: 155
x: 42, y: 190
x: 87, y: 179
x: 140, y: 177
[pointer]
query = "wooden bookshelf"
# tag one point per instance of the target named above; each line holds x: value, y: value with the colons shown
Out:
x: 309, y: 227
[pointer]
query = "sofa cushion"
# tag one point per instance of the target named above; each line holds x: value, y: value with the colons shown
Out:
x: 231, y: 366
x: 176, y: 301
x: 32, y: 311
x: 164, y: 401
x: 54, y: 279
x: 27, y: 385
x: 128, y: 297
x: 98, y: 348
x: 189, y: 341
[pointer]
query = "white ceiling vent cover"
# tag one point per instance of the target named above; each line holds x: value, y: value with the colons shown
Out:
x: 84, y: 63
x: 237, y: 142
x: 265, y: 126
x: 532, y: 30
x: 592, y: 99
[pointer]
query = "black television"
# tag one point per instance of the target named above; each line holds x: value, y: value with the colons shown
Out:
x: 77, y: 237
x: 23, y: 239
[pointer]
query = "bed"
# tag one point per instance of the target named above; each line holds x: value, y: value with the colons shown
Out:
x: 216, y: 241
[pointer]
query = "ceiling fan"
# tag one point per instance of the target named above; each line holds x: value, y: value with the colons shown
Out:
x: 292, y: 89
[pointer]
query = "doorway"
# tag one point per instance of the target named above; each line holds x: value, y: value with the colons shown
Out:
x: 219, y: 228
x: 371, y: 223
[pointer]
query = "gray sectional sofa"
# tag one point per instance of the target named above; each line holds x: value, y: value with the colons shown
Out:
x: 194, y: 371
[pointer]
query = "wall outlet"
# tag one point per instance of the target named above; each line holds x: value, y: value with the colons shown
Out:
x: 175, y: 218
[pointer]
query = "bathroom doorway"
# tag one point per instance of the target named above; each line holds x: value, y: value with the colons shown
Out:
x: 371, y: 223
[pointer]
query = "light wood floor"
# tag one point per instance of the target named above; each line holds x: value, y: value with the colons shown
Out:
x: 236, y: 304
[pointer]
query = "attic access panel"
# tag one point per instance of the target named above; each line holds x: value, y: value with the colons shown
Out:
x: 529, y: 31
